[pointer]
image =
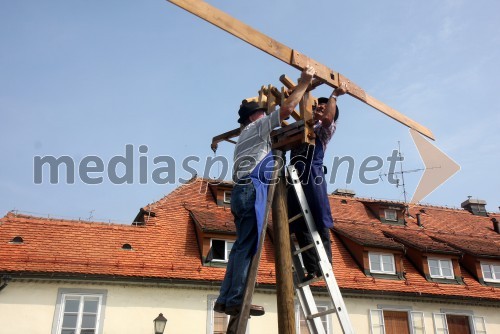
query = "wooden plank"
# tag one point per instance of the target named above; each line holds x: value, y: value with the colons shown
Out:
x: 287, y: 137
x: 226, y: 136
x: 289, y: 56
x: 327, y: 75
x: 315, y: 83
x: 236, y: 28
x: 289, y: 83
x: 358, y: 93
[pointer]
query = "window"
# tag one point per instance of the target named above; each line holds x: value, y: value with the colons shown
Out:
x: 79, y: 311
x: 396, y: 322
x: 220, y: 249
x: 217, y: 322
x: 391, y: 215
x: 227, y: 197
x: 491, y: 272
x: 445, y: 323
x: 300, y: 320
x: 382, y: 263
x: 440, y: 268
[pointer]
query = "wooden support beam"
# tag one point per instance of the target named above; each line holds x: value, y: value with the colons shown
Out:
x: 315, y: 83
x: 283, y: 263
x: 226, y: 136
x: 292, y: 57
x: 305, y: 105
x: 288, y: 136
x: 285, y: 80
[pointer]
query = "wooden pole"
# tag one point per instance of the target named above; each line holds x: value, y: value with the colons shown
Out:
x: 283, y: 263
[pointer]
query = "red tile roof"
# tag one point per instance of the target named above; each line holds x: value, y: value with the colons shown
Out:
x: 366, y: 234
x: 166, y: 248
x: 419, y: 240
x: 476, y: 246
x: 213, y: 219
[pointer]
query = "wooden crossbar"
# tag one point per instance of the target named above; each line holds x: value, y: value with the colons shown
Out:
x: 292, y: 57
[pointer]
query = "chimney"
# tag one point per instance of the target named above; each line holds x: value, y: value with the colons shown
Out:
x: 496, y: 225
x: 344, y: 192
x: 475, y: 206
x: 419, y: 222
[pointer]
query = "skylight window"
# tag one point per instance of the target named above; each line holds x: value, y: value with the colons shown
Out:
x: 440, y: 268
x: 382, y: 263
x: 127, y: 247
x: 491, y: 272
x: 17, y: 240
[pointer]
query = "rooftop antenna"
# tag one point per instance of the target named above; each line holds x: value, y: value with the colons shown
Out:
x: 91, y: 214
x: 402, y: 172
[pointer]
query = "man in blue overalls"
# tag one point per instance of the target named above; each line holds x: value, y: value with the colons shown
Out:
x: 308, y: 161
x: 253, y: 164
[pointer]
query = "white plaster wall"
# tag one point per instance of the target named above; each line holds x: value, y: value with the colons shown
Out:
x: 358, y: 309
x: 28, y: 307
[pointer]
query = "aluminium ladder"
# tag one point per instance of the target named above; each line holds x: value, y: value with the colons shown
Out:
x: 303, y: 290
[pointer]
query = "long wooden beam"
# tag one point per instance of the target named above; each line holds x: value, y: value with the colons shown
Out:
x: 282, y: 52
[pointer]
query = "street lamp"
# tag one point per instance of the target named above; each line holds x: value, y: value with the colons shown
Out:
x: 160, y: 323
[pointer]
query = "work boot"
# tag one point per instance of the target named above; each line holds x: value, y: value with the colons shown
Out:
x: 313, y: 275
x: 255, y: 310
x: 219, y: 307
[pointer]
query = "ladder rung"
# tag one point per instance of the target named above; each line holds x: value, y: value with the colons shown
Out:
x: 320, y: 314
x: 294, y: 218
x: 303, y: 249
x: 311, y: 281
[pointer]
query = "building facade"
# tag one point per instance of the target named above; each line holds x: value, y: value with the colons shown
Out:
x: 417, y: 269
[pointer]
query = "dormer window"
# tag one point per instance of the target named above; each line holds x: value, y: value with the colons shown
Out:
x: 227, y: 197
x: 221, y: 249
x: 440, y: 268
x: 382, y: 263
x: 391, y: 215
x: 221, y: 192
x: 491, y: 272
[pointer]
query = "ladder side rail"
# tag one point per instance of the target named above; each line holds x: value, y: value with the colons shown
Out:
x: 304, y: 294
x: 325, y: 266
x: 308, y: 305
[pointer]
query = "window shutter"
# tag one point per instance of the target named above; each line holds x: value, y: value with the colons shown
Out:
x: 377, y: 322
x: 440, y: 325
x: 417, y: 322
x: 479, y: 325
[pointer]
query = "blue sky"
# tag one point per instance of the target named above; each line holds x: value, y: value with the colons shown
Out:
x: 82, y: 78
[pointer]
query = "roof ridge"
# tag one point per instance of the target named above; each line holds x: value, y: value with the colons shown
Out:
x: 177, y: 189
x: 11, y: 216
